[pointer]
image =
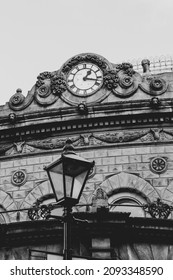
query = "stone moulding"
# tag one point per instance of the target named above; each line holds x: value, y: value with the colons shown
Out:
x: 93, y: 139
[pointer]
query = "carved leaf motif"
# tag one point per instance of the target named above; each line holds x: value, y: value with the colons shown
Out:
x: 120, y: 136
x: 5, y: 148
x: 53, y: 143
x: 169, y: 132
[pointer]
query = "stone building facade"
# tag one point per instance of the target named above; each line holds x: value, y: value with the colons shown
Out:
x: 115, y: 115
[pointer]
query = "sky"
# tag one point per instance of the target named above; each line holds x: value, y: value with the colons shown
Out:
x: 41, y: 35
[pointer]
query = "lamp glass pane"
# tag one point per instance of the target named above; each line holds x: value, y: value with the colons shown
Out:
x: 78, y: 183
x: 68, y: 185
x: 56, y: 175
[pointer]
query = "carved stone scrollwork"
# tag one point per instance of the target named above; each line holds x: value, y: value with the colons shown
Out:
x: 128, y: 80
x: 87, y: 58
x: 18, y: 101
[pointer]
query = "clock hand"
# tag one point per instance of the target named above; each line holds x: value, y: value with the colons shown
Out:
x: 90, y: 79
x: 88, y: 73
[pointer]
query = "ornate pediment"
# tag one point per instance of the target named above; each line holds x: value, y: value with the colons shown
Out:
x: 91, y: 79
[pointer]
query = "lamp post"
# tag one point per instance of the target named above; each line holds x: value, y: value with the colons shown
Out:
x: 68, y: 176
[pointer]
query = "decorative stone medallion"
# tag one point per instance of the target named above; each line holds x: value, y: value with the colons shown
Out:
x: 158, y: 165
x: 19, y: 177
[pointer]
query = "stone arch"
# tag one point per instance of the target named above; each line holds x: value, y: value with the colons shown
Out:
x: 123, y: 181
x: 7, y: 203
x: 125, y: 190
x: 167, y: 195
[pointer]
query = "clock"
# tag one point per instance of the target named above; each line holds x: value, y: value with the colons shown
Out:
x: 84, y: 79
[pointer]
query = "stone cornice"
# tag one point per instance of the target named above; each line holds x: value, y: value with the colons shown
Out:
x: 42, y: 232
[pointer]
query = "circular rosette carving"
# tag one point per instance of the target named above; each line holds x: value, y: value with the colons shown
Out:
x: 157, y: 84
x: 126, y: 81
x: 154, y: 85
x: 19, y: 178
x: 44, y: 90
x: 158, y: 165
x: 128, y: 84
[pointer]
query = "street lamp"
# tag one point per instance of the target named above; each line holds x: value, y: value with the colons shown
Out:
x: 68, y: 176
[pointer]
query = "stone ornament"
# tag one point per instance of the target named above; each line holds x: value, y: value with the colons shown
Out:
x: 153, y: 85
x: 155, y: 102
x: 49, y: 87
x: 158, y: 165
x: 82, y: 109
x: 158, y: 209
x: 17, y: 98
x: 93, y: 58
x: 85, y: 79
x: 19, y: 178
x: 111, y: 79
x: 12, y: 118
x: 128, y: 80
x: 18, y: 102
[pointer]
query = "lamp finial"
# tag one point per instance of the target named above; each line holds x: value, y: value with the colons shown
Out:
x: 68, y: 148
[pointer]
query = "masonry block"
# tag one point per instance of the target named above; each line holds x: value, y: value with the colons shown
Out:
x: 7, y: 164
x: 115, y: 168
x: 169, y: 149
x: 33, y: 160
x: 149, y: 174
x: 157, y: 149
x: 108, y: 160
x: 98, y: 161
x: 143, y: 166
x: 122, y: 159
x: 143, y: 150
x: 46, y: 159
x: 88, y: 155
x: 100, y: 153
x: 20, y: 194
x: 20, y: 162
x: 101, y: 169
x: 160, y: 182
x: 115, y: 152
x: 129, y: 151
x: 135, y: 158
x: 38, y: 167
x: 129, y: 167
x: 2, y: 172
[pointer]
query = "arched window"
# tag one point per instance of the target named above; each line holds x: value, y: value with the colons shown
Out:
x: 128, y: 202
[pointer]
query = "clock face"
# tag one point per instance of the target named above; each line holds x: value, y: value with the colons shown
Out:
x: 85, y: 79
